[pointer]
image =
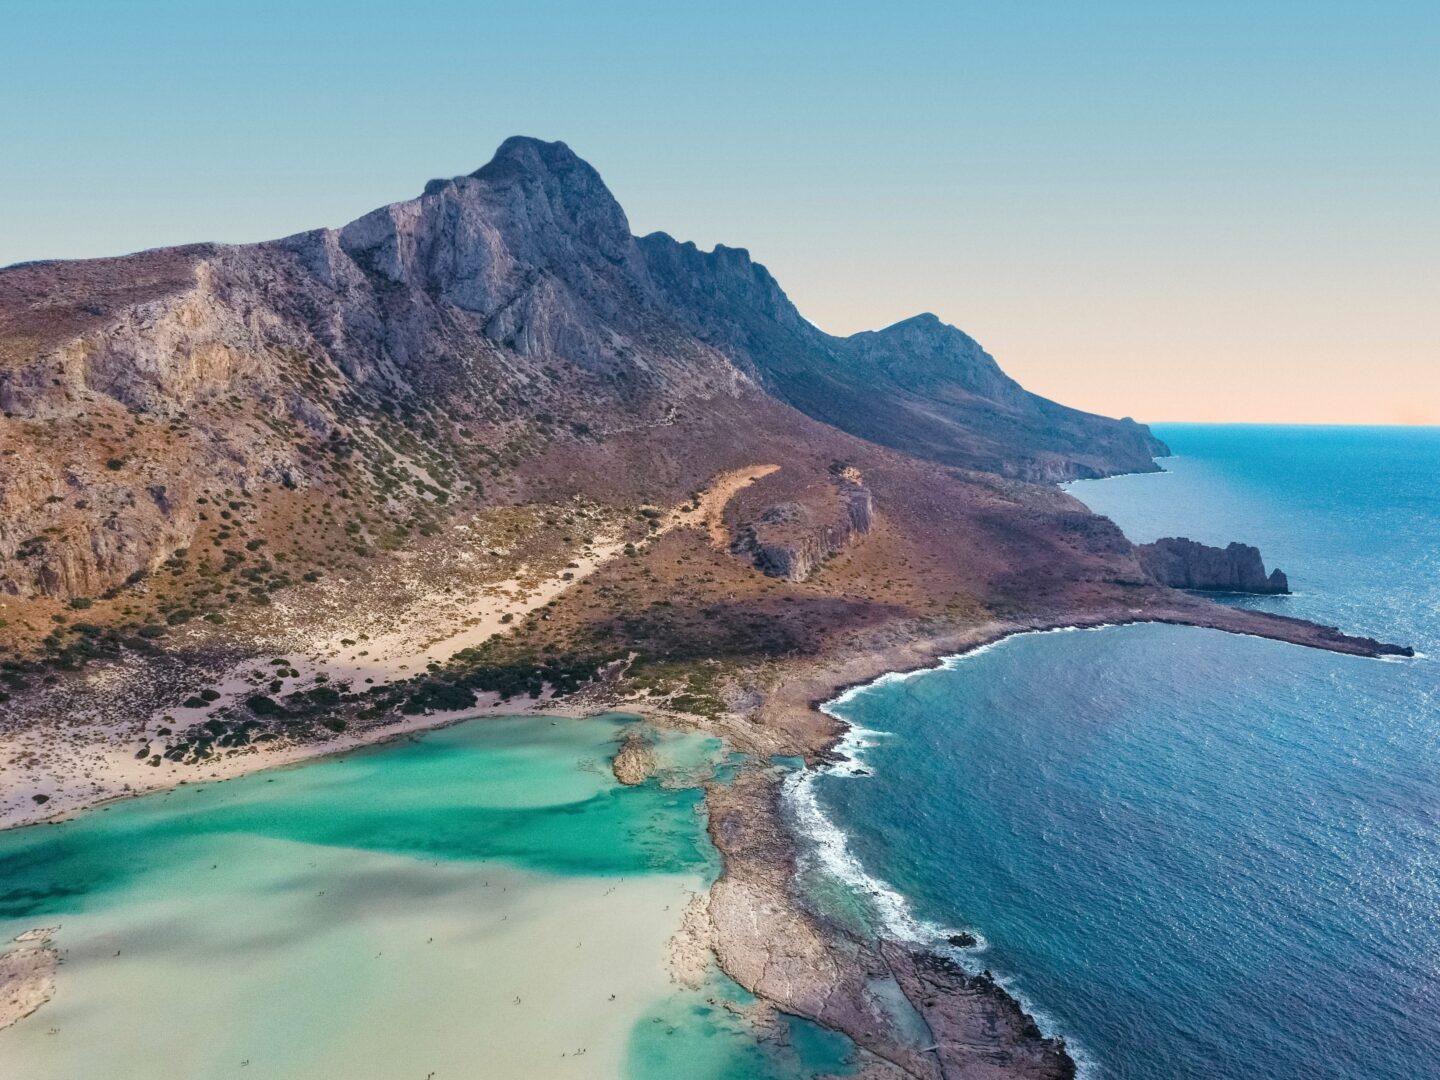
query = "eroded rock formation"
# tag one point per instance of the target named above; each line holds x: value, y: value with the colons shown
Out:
x: 792, y: 539
x: 1183, y: 563
x: 635, y: 762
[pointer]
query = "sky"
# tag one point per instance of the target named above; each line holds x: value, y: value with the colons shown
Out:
x: 1175, y: 211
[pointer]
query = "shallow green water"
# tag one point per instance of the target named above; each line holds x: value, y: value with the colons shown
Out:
x: 481, y: 901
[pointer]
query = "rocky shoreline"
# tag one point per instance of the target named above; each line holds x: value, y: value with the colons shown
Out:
x: 916, y: 1013
x: 770, y: 941
x: 759, y: 929
x: 485, y: 451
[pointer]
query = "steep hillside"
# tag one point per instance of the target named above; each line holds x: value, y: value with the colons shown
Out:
x: 919, y: 386
x: 418, y: 356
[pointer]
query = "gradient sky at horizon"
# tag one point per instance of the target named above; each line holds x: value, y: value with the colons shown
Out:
x: 1221, y: 211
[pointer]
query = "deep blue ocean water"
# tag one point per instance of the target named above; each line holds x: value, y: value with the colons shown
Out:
x: 1194, y: 854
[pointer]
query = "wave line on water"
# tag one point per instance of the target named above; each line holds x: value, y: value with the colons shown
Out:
x: 830, y: 844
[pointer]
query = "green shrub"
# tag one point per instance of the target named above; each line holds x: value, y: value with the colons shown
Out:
x: 261, y: 705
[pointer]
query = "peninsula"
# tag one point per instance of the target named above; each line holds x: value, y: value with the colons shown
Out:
x: 485, y: 450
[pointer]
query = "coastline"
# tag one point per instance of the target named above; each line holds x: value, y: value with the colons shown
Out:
x: 391, y: 952
x: 815, y: 968
x: 937, y: 1017
x: 92, y: 759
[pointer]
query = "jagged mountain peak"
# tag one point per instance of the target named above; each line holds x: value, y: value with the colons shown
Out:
x: 925, y: 328
x: 923, y: 347
x: 522, y: 155
x: 925, y: 320
x: 526, y: 170
x: 535, y: 213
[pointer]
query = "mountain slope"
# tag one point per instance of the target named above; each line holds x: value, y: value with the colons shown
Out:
x: 422, y: 352
x: 920, y: 386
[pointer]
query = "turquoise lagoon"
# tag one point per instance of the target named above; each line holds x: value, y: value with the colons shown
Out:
x: 482, y: 900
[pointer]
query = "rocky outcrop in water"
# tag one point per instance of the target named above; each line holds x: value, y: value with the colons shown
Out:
x: 636, y: 762
x: 1183, y: 563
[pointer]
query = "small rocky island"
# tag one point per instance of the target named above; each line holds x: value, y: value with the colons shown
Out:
x: 1182, y: 563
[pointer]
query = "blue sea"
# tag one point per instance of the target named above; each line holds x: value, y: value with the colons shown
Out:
x: 1192, y: 854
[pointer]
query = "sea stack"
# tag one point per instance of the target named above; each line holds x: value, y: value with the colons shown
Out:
x: 1183, y: 563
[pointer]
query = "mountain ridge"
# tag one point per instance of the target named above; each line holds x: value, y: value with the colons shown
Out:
x: 453, y: 241
x: 508, y: 306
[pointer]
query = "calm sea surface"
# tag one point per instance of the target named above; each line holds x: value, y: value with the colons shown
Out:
x: 1195, y: 855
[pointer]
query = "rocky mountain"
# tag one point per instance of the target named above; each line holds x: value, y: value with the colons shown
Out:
x: 261, y: 501
x: 421, y: 355
x: 920, y: 386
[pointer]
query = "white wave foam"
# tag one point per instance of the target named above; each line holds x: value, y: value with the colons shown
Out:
x: 830, y: 844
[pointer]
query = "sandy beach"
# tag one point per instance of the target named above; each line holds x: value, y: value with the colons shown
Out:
x: 368, y: 961
x: 48, y: 770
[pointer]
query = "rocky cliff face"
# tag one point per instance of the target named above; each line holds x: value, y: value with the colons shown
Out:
x: 792, y: 540
x: 417, y: 355
x: 1183, y: 563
